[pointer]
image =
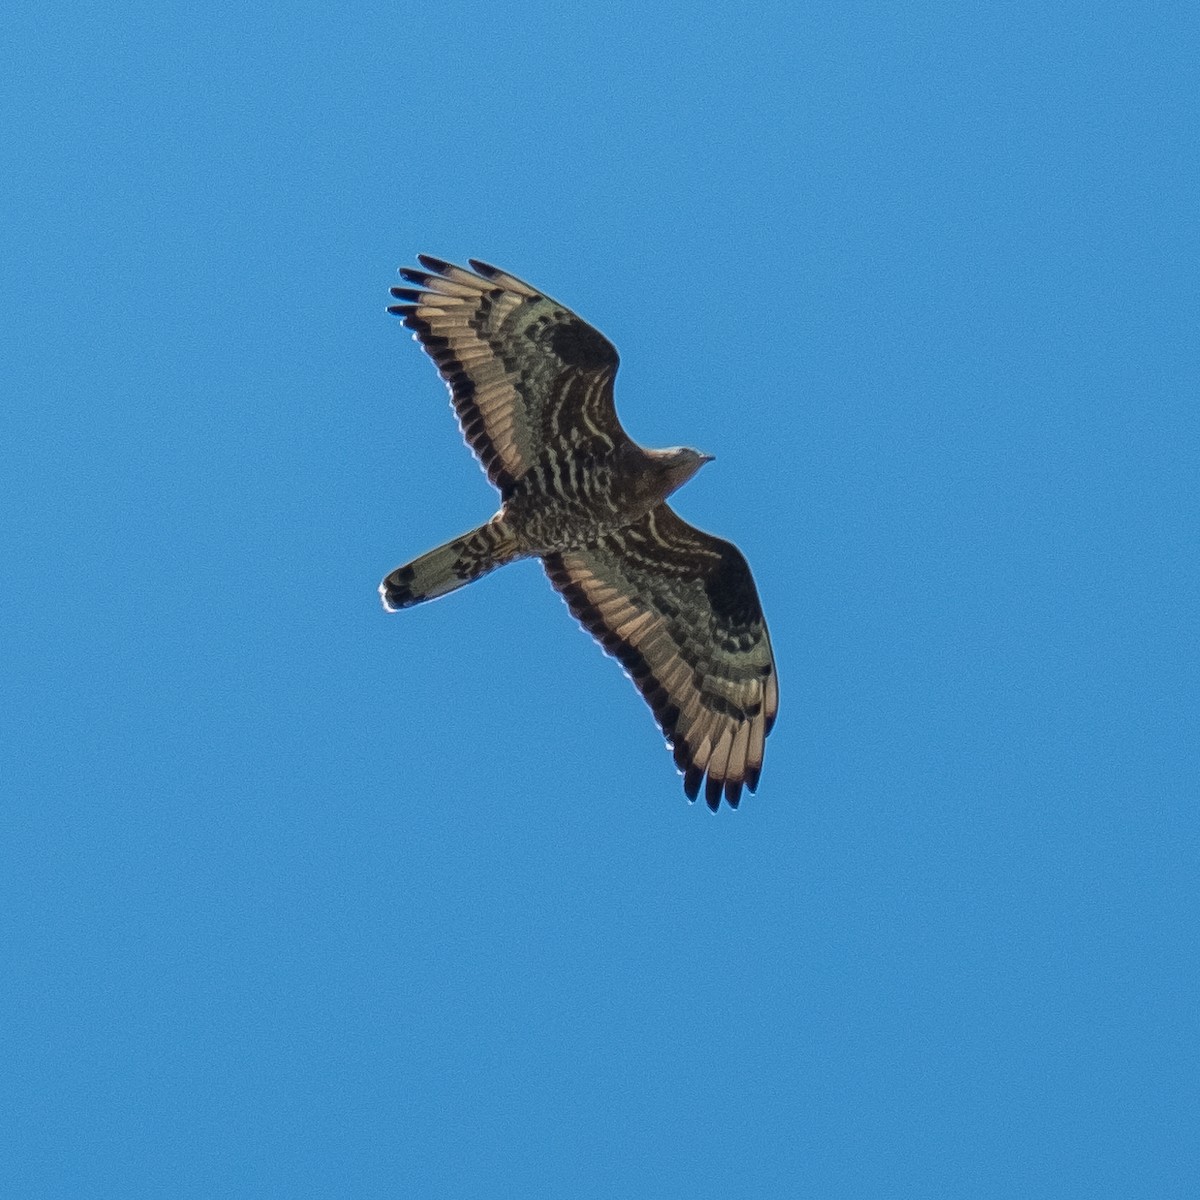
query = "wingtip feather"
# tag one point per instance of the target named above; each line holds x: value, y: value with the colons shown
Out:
x: 712, y: 793
x: 440, y: 265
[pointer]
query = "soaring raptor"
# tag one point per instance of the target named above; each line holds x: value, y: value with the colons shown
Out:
x: 532, y: 385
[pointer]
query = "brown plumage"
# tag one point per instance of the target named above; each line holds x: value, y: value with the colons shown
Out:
x: 532, y: 385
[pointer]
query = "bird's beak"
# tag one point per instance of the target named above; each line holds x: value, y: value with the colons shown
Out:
x: 707, y: 458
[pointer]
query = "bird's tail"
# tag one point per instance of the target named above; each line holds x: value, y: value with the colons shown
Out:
x: 451, y: 566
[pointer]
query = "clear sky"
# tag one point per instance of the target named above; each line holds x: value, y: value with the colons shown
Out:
x: 298, y: 898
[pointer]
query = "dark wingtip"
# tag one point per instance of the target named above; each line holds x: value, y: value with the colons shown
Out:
x: 733, y: 792
x: 691, y: 782
x: 402, y: 310
x: 414, y: 276
x: 752, y: 774
x: 406, y: 293
x: 712, y: 793
x: 681, y: 754
x: 484, y: 269
x: 440, y: 265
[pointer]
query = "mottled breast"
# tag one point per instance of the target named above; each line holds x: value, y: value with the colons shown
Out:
x: 570, y: 499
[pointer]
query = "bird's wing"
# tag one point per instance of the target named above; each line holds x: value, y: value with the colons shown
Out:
x: 679, y: 609
x: 528, y: 379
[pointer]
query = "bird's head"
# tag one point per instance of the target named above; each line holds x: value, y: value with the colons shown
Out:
x: 679, y: 464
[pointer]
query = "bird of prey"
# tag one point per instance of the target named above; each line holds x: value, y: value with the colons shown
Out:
x: 532, y: 385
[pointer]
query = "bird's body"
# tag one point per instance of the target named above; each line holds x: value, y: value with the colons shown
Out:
x: 532, y: 386
x: 566, y: 502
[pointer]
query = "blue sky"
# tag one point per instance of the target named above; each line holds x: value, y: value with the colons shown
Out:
x: 299, y: 898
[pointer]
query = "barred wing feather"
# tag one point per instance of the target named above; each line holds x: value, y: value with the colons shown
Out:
x: 679, y: 609
x: 528, y: 378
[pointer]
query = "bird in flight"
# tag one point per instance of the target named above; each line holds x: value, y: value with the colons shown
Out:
x: 532, y: 385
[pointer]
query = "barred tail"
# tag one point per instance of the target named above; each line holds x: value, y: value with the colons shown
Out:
x: 450, y: 566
